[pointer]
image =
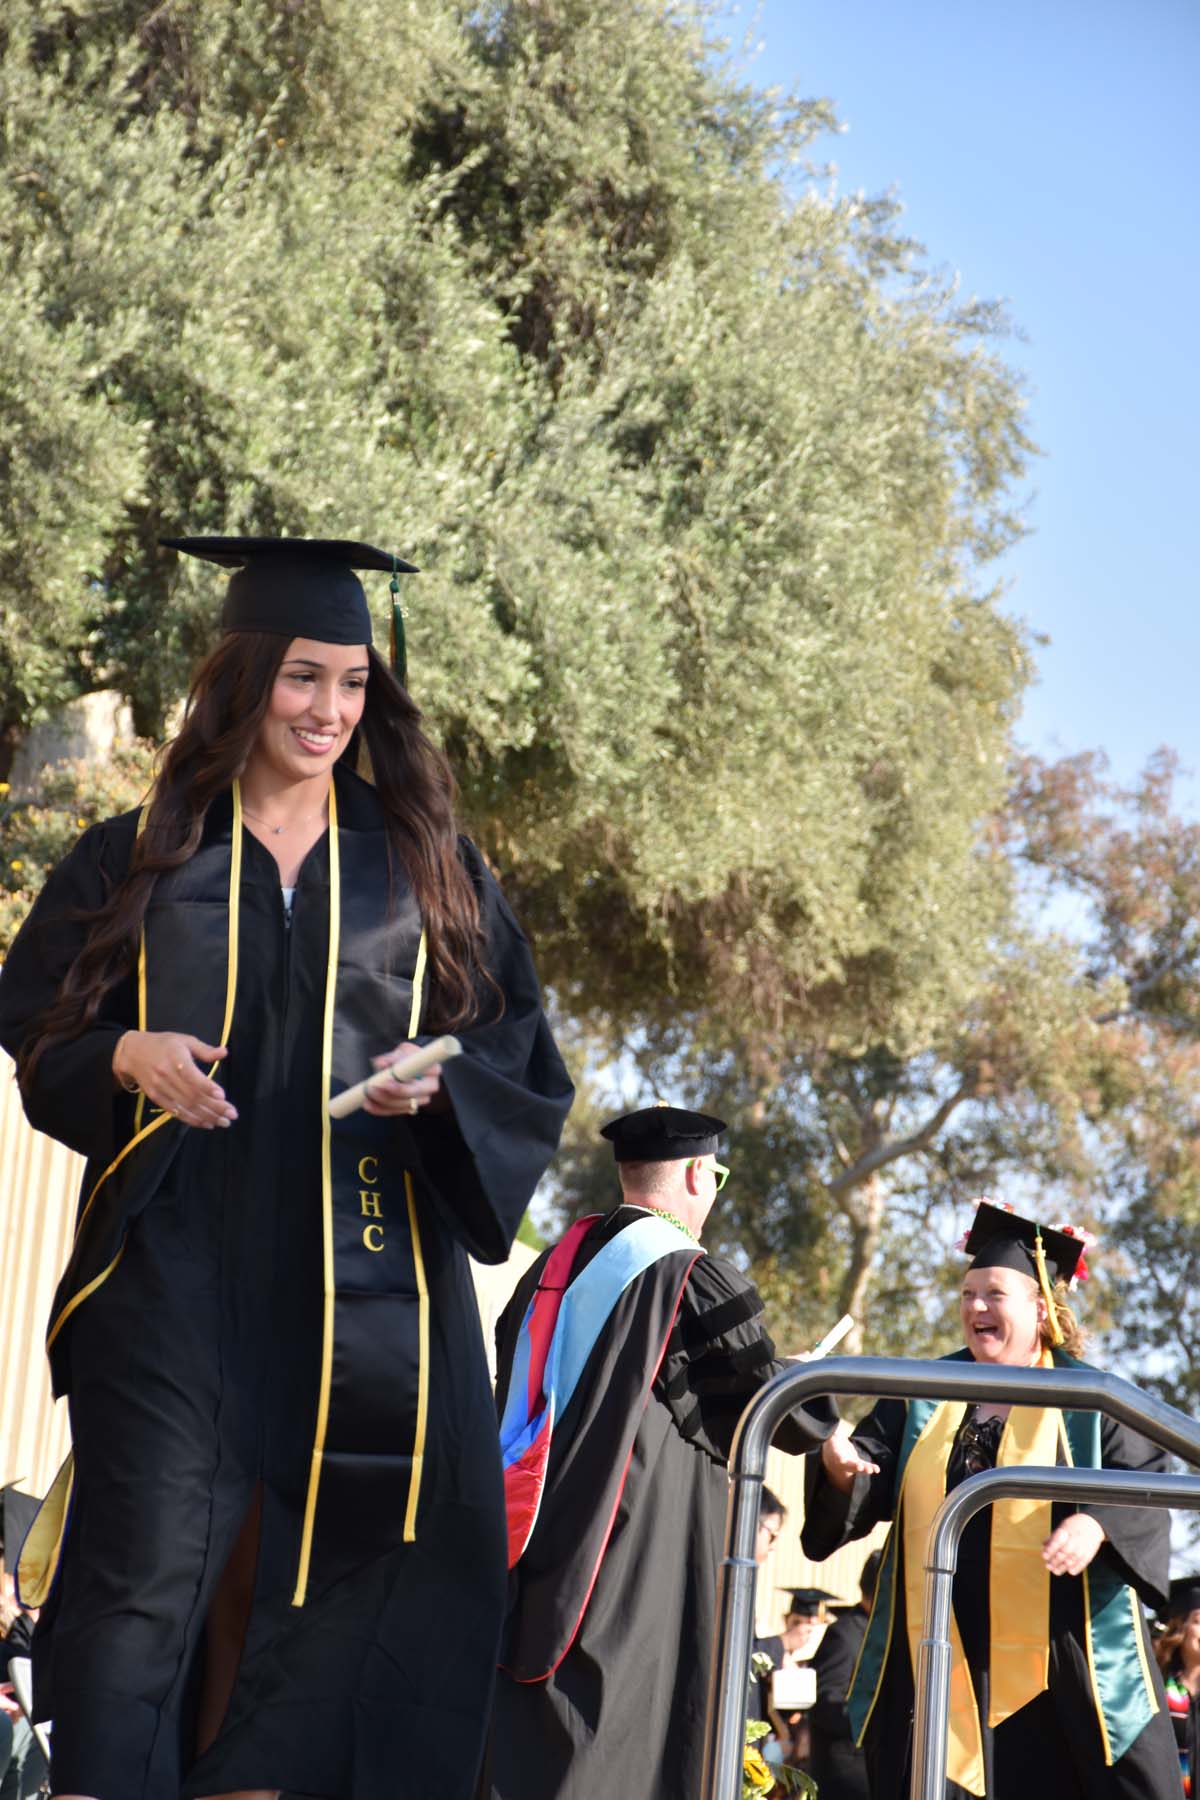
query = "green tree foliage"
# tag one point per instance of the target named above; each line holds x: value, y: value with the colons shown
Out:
x: 72, y: 795
x: 1068, y: 1085
x: 701, y: 477
x: 1132, y: 864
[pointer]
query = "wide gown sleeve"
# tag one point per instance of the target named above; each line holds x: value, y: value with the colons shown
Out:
x: 509, y: 1092
x: 72, y: 1096
x: 831, y: 1518
x: 1138, y: 1538
x: 719, y: 1355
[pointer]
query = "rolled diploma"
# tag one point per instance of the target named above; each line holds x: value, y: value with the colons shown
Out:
x: 832, y: 1339
x: 407, y: 1068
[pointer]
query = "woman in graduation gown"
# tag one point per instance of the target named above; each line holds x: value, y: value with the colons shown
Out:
x: 280, y: 1562
x: 1054, y: 1691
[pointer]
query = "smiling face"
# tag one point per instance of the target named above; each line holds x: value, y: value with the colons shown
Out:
x: 316, y: 702
x: 1002, y: 1316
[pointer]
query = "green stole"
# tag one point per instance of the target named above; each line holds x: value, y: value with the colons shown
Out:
x: 372, y: 1408
x: 1122, y: 1687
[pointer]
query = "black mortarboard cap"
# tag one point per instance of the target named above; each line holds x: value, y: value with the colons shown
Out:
x: 17, y: 1513
x: 297, y: 587
x: 810, y: 1602
x: 1184, y: 1598
x: 1000, y: 1239
x: 663, y: 1134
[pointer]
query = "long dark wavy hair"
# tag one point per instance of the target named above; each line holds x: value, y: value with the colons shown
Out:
x: 228, y: 701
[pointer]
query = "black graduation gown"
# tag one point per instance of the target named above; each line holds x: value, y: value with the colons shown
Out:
x: 760, y: 1688
x: 623, y: 1711
x: 1051, y: 1749
x: 837, y: 1766
x: 193, y: 1369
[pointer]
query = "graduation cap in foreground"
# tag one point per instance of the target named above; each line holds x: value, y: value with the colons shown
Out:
x: 1000, y: 1239
x: 302, y: 587
x: 17, y: 1513
x: 663, y: 1134
x: 814, y: 1603
x: 1184, y: 1598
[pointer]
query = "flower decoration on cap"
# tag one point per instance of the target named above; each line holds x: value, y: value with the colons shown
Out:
x: 1087, y: 1239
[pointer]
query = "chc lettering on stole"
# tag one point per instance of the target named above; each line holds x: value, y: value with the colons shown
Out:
x: 371, y: 1202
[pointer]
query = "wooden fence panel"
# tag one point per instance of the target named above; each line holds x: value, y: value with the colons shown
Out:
x: 39, y: 1182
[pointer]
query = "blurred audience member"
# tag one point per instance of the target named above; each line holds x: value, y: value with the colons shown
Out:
x: 1178, y: 1653
x: 791, y: 1686
x: 22, y: 1765
x: 837, y: 1765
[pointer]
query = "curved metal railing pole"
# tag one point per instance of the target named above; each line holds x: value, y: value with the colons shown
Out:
x: 1096, y: 1487
x: 1082, y: 1390
x: 733, y: 1638
x: 931, y: 1679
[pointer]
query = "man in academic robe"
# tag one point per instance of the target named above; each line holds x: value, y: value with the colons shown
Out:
x: 626, y: 1357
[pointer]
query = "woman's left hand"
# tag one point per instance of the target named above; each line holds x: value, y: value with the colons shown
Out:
x: 1072, y: 1545
x: 393, y: 1099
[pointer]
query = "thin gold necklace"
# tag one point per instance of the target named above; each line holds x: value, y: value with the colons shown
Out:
x: 278, y: 830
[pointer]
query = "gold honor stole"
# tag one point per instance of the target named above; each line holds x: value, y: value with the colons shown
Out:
x: 1019, y: 1582
x: 373, y: 1395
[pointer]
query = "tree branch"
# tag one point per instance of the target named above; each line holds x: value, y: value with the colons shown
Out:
x: 891, y: 1149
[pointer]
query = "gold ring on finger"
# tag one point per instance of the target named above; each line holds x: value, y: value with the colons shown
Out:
x: 412, y: 1106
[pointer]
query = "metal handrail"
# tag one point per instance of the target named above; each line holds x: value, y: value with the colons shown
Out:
x: 1094, y: 1487
x: 1080, y: 1390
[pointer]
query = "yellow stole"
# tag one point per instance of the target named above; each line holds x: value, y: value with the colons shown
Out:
x: 1019, y: 1582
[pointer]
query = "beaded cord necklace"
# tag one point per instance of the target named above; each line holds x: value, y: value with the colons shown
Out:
x: 671, y: 1219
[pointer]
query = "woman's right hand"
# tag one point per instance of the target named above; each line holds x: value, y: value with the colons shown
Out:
x: 165, y: 1065
x: 841, y: 1461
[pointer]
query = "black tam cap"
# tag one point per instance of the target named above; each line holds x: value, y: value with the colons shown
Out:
x: 17, y: 1513
x: 1000, y: 1239
x: 1184, y: 1598
x: 813, y: 1603
x: 295, y: 587
x: 663, y: 1134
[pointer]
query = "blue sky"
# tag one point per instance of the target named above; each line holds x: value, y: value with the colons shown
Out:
x: 1050, y: 153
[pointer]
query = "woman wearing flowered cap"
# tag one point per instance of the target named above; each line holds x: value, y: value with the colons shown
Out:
x: 1054, y: 1691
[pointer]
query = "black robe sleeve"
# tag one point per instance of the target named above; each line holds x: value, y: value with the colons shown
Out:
x: 72, y: 1096
x: 509, y: 1092
x: 832, y: 1519
x: 719, y: 1355
x: 1138, y: 1539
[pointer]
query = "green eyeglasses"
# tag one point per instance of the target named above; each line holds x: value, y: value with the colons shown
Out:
x: 718, y: 1169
